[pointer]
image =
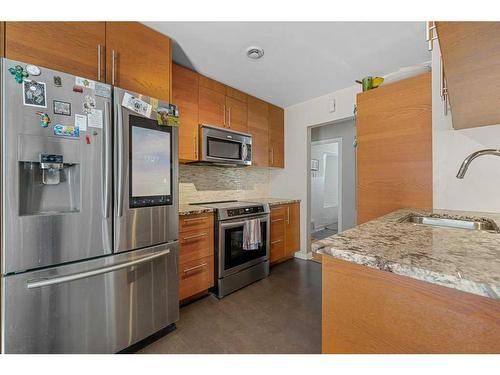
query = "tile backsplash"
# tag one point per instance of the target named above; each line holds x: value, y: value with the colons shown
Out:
x: 199, y: 183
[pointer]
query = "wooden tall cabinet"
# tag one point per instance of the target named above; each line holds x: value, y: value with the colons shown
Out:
x: 236, y: 114
x: 185, y: 96
x: 72, y: 47
x: 138, y: 59
x: 276, y: 136
x: 258, y: 126
x: 394, y: 152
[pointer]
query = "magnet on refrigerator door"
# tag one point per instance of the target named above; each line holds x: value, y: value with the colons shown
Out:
x: 33, y: 70
x: 44, y: 119
x: 66, y: 131
x: 34, y: 93
x: 62, y: 108
x: 18, y: 73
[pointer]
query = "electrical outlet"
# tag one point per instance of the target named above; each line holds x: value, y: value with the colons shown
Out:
x: 331, y: 105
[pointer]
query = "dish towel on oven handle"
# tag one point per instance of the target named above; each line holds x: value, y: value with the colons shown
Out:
x: 251, y: 235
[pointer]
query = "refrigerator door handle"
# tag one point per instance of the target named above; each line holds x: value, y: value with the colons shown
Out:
x: 106, y: 145
x: 119, y: 133
x: 98, y: 271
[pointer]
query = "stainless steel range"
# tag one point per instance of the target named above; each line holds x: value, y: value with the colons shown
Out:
x: 236, y: 267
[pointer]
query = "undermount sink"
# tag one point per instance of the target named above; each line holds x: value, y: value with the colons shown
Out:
x: 482, y: 224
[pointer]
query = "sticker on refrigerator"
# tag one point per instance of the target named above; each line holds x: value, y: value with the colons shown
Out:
x: 66, y: 131
x: 34, y: 93
x: 94, y: 118
x: 168, y: 116
x: 44, y: 119
x: 85, y: 83
x: 62, y: 108
x: 81, y: 122
x: 137, y: 105
x: 88, y: 104
x: 102, y: 90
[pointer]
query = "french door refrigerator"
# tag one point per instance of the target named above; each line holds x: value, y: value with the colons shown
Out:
x: 89, y: 258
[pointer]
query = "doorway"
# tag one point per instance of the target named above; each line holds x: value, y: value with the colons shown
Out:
x: 332, y: 179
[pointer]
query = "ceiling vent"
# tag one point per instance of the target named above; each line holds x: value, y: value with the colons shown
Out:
x: 255, y: 53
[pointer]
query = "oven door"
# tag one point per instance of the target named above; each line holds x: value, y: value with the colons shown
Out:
x: 232, y: 257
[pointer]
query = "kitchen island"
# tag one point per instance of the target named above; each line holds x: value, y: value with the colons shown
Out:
x: 391, y: 286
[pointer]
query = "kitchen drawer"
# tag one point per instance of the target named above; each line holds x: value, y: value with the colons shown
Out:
x: 277, y: 249
x: 196, y: 222
x: 196, y: 276
x: 196, y: 244
x: 278, y: 217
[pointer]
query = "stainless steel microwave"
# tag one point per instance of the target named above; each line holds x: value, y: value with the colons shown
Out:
x: 226, y: 147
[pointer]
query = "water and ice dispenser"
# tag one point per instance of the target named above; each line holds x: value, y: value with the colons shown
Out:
x: 49, y: 183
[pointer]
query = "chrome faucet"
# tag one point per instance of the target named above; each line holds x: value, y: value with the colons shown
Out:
x: 468, y: 160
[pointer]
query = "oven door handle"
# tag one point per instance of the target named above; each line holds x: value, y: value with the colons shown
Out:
x: 231, y: 224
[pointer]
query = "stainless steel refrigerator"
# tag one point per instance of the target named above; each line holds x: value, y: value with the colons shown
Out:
x: 89, y: 250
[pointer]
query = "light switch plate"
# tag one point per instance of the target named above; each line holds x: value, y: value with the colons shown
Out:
x: 331, y: 105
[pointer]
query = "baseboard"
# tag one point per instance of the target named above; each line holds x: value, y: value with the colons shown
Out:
x: 303, y: 255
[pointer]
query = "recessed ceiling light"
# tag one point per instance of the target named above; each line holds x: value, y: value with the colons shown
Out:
x: 255, y: 52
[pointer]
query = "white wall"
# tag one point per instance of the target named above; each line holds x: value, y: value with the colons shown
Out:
x: 292, y: 180
x: 479, y: 190
x: 325, y: 185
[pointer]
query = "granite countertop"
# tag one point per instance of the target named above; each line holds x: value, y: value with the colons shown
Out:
x: 190, y: 209
x: 273, y: 201
x: 462, y: 259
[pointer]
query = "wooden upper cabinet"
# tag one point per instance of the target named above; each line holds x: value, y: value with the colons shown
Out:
x: 394, y: 152
x: 258, y: 127
x: 185, y: 96
x: 236, y: 115
x: 470, y: 55
x: 212, y: 85
x: 211, y: 107
x: 70, y: 47
x: 292, y: 243
x: 138, y: 59
x: 276, y: 137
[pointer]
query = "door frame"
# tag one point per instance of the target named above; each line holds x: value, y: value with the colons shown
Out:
x: 338, y: 141
x: 309, y: 142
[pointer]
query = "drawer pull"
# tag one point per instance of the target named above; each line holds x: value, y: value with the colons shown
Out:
x: 194, y: 268
x: 195, y: 219
x: 195, y: 236
x: 273, y: 242
x: 276, y: 220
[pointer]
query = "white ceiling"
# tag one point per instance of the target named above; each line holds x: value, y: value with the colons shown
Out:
x: 302, y: 60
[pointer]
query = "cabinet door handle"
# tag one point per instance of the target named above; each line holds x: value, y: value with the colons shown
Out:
x: 288, y: 215
x: 113, y: 66
x: 444, y: 87
x: 276, y: 220
x: 224, y: 120
x: 272, y: 156
x: 195, y: 147
x: 194, y: 219
x: 194, y: 268
x: 195, y: 236
x: 98, y: 62
x: 229, y: 117
x: 277, y: 241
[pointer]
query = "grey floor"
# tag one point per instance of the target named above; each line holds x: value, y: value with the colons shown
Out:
x: 323, y: 233
x: 280, y: 314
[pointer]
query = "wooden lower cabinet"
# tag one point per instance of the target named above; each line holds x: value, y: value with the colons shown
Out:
x: 285, y: 231
x: 195, y: 277
x: 369, y: 311
x: 196, y: 255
